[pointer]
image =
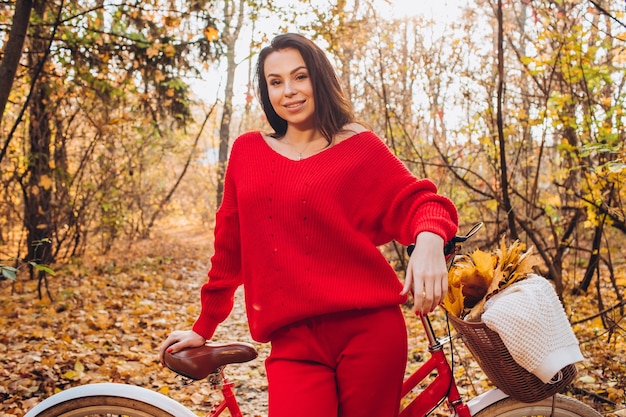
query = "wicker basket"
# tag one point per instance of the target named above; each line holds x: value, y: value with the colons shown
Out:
x: 497, y: 363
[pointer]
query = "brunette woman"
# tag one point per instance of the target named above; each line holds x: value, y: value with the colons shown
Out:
x: 305, y: 208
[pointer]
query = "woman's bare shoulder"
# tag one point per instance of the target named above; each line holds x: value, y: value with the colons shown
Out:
x: 350, y: 130
x: 267, y: 134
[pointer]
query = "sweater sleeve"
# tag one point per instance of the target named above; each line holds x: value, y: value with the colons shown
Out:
x: 419, y: 208
x: 217, y: 294
x: 408, y: 205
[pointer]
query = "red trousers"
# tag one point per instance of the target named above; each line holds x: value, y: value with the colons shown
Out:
x: 348, y: 364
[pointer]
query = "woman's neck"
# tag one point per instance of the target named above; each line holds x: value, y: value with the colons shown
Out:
x: 297, y: 136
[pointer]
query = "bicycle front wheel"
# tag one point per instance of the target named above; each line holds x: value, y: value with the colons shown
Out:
x: 563, y: 407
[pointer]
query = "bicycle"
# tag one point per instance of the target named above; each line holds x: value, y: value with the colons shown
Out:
x: 210, y: 361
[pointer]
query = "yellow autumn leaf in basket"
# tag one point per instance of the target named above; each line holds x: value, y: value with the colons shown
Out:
x: 468, y: 281
x: 514, y: 263
x: 453, y: 302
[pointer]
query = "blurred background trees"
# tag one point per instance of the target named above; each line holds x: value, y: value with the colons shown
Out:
x: 119, y: 117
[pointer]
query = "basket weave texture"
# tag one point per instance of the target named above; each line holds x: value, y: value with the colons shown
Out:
x: 497, y: 363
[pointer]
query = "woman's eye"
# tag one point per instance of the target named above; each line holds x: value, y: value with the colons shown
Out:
x: 274, y: 82
x: 301, y: 76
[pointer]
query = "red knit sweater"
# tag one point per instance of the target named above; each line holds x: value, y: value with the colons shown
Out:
x: 303, y: 236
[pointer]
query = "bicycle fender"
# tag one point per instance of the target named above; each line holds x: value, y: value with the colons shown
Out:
x: 483, y: 401
x: 114, y: 390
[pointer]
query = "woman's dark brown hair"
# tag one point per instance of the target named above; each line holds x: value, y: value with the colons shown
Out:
x: 332, y: 109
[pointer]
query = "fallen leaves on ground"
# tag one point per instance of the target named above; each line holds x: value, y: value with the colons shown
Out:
x: 112, y: 311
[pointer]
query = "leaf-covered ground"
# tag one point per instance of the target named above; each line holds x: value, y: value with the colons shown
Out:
x: 111, y: 312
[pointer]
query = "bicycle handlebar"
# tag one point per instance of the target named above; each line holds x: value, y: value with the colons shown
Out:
x: 451, y: 246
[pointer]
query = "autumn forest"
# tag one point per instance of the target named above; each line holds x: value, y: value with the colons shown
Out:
x: 116, y: 120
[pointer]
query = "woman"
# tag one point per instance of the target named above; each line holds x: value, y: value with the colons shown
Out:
x: 304, y: 211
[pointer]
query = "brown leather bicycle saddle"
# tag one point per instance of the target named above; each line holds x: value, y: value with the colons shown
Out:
x: 200, y: 362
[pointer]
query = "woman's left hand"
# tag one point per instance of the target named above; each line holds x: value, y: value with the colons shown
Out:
x: 427, y: 273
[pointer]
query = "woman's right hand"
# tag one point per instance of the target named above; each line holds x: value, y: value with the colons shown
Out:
x: 179, y: 340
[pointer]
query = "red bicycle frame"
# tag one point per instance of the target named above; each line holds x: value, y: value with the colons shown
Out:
x: 229, y: 402
x: 441, y: 387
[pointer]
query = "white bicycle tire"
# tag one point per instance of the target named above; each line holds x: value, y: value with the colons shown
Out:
x: 563, y: 407
x: 131, y: 400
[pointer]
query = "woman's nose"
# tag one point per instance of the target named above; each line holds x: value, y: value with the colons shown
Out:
x: 290, y: 88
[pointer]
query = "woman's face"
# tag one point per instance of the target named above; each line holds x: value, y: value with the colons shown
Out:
x: 289, y: 87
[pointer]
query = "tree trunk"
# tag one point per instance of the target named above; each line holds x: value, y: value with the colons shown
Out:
x: 594, y: 259
x: 504, y: 180
x: 12, y: 55
x: 38, y: 192
x: 229, y: 36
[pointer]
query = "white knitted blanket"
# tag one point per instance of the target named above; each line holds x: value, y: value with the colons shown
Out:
x: 530, y: 319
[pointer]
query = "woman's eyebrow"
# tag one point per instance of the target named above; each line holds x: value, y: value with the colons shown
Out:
x: 292, y: 71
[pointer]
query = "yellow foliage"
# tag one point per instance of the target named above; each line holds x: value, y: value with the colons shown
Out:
x: 513, y: 264
x: 45, y: 182
x: 453, y: 303
x: 169, y: 50
x: 159, y: 76
x: 468, y: 281
x: 152, y: 51
x: 211, y: 33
